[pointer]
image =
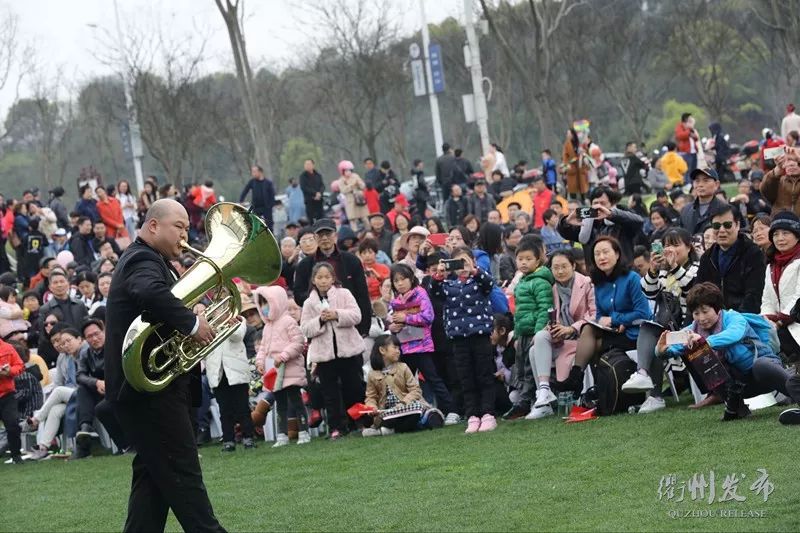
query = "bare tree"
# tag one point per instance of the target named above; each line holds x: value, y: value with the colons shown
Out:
x: 534, y: 55
x: 232, y: 12
x: 781, y: 20
x: 355, y: 71
x: 15, y: 58
x: 626, y: 63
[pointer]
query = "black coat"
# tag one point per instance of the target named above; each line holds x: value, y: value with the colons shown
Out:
x: 311, y: 184
x: 141, y: 284
x: 743, y: 284
x: 73, y: 312
x: 627, y: 229
x: 349, y: 273
x: 693, y: 222
x: 91, y: 367
x: 81, y: 248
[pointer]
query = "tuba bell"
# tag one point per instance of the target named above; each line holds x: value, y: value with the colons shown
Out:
x: 240, y: 245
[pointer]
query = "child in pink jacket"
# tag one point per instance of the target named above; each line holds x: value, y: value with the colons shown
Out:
x: 283, y: 341
x: 329, y: 320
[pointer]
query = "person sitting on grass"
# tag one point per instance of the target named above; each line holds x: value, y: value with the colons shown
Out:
x: 394, y: 393
x: 283, y: 341
x: 672, y: 271
x: 468, y: 323
x: 621, y: 306
x: 503, y: 340
x: 534, y: 299
x: 753, y: 366
x: 574, y: 305
x: 68, y: 342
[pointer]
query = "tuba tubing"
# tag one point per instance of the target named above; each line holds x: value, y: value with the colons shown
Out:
x: 240, y: 246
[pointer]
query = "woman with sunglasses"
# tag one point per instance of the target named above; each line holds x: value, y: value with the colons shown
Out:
x: 45, y: 348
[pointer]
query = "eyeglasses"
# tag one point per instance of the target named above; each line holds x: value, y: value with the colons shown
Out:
x: 717, y: 225
x: 50, y: 323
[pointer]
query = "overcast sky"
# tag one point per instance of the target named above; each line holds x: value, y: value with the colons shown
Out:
x: 64, y: 35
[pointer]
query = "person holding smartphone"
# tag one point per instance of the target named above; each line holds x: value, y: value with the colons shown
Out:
x: 673, y: 270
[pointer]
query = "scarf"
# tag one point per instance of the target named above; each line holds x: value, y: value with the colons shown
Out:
x: 779, y: 262
x: 565, y: 298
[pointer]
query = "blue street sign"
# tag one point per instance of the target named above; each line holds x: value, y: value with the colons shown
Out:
x: 437, y: 68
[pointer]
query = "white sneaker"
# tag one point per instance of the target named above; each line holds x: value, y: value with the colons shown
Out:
x: 544, y: 397
x: 638, y: 382
x: 281, y: 440
x: 452, y: 419
x: 370, y: 432
x: 652, y: 404
x: 386, y: 431
x: 539, y: 412
x: 304, y: 437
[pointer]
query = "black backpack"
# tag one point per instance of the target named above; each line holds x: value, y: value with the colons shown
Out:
x: 612, y: 370
x: 668, y: 311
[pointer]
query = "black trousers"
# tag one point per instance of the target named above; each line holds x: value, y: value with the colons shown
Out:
x: 446, y: 368
x: 233, y: 407
x: 342, y: 386
x: 166, y: 469
x: 92, y: 404
x: 289, y: 404
x: 475, y: 367
x: 10, y: 416
x: 424, y: 363
x: 314, y: 210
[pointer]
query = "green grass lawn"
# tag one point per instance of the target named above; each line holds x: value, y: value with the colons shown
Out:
x: 543, y: 475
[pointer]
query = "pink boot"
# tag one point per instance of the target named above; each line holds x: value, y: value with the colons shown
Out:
x: 488, y: 423
x: 473, y: 424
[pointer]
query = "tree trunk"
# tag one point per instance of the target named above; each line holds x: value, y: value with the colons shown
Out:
x: 244, y: 74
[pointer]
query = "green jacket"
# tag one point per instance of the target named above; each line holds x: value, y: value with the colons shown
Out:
x: 533, y: 298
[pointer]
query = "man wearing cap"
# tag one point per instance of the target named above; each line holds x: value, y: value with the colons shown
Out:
x: 349, y: 271
x: 481, y: 202
x: 696, y: 216
x: 734, y: 263
x: 377, y: 224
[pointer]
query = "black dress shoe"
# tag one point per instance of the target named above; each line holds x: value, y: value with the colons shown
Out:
x: 203, y: 437
x: 573, y: 383
x: 790, y: 417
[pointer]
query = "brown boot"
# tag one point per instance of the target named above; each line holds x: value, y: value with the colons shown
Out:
x: 293, y: 428
x: 710, y: 399
x: 259, y: 414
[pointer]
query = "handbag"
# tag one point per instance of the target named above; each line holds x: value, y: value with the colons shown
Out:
x: 359, y: 198
x: 411, y: 333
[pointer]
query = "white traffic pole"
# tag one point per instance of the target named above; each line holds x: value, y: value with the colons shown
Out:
x: 434, y: 100
x: 481, y: 113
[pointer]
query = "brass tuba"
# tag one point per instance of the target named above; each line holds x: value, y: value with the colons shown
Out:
x: 240, y: 245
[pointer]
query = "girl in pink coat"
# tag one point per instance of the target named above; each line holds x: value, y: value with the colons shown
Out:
x: 329, y: 320
x: 283, y: 341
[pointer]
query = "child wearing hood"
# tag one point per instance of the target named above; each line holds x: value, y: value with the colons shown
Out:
x: 283, y: 341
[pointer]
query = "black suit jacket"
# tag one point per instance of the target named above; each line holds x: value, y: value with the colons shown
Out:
x: 141, y: 284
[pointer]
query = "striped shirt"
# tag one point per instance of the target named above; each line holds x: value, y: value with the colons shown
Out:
x: 677, y: 281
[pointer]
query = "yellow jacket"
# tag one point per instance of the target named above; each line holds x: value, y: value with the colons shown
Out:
x: 673, y: 166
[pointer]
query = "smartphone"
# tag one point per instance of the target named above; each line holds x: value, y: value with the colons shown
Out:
x: 772, y: 153
x: 453, y: 264
x: 657, y: 247
x: 677, y: 337
x: 586, y: 212
x: 551, y: 317
x: 437, y: 239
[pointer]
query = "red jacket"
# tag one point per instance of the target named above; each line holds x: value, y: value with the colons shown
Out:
x: 111, y: 214
x: 682, y: 138
x: 373, y: 200
x: 541, y: 203
x: 9, y: 356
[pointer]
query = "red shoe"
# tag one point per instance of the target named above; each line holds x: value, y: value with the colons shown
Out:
x: 315, y: 419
